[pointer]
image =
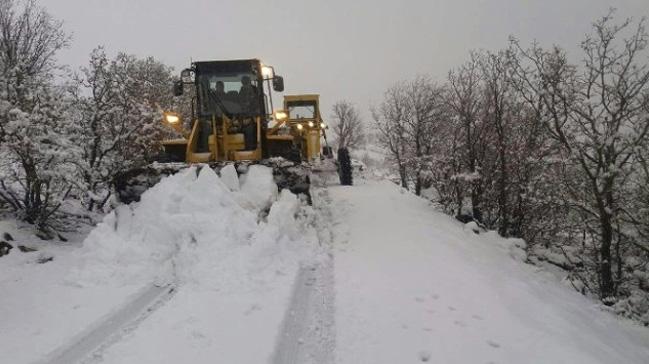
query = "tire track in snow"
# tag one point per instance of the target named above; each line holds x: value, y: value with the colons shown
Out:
x: 307, y: 334
x: 88, y: 345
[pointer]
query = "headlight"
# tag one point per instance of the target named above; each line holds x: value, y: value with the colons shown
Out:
x: 311, y: 124
x: 267, y: 71
x: 280, y: 115
x: 323, y: 125
x: 172, y: 118
x: 300, y: 127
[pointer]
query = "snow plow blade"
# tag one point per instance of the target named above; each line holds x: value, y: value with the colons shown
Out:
x: 130, y: 184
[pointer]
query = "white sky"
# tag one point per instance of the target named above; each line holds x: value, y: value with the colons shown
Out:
x: 351, y: 49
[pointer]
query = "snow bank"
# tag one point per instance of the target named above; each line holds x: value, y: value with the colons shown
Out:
x: 259, y: 186
x: 282, y: 215
x: 138, y: 243
x: 230, y: 177
x: 188, y: 227
x: 194, y: 228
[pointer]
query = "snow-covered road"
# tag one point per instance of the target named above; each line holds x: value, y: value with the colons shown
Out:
x: 368, y: 274
x: 413, y: 286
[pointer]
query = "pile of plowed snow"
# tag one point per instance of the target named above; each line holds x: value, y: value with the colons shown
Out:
x: 198, y: 228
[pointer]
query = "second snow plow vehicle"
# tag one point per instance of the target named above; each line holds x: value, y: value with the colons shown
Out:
x: 233, y: 121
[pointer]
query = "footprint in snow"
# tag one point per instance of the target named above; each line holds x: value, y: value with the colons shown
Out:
x: 477, y: 317
x: 424, y: 355
x: 459, y: 323
x: 419, y: 299
x: 434, y: 296
x: 493, y: 344
x: 451, y: 308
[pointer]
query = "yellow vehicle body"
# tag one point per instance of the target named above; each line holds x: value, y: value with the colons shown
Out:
x: 301, y: 133
x: 223, y: 145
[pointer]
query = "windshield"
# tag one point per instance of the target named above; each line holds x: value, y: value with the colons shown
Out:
x: 236, y: 93
x: 301, y: 110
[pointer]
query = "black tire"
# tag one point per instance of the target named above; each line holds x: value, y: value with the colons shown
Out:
x: 345, y: 167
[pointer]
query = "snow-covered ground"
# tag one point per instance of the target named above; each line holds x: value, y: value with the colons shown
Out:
x: 235, y: 275
x: 238, y: 273
x: 413, y: 285
x: 231, y: 253
x: 40, y: 310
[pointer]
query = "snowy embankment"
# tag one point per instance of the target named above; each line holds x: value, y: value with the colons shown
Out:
x: 413, y: 285
x: 231, y: 250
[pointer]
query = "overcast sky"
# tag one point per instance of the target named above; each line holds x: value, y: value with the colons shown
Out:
x: 341, y: 49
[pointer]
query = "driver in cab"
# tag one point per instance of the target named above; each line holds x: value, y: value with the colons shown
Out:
x: 248, y: 97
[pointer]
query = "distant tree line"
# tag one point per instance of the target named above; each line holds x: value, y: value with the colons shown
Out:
x: 525, y: 142
x: 64, y: 134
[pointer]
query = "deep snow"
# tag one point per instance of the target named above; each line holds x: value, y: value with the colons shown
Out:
x: 234, y: 263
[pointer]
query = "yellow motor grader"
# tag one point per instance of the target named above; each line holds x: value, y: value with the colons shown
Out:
x: 233, y: 121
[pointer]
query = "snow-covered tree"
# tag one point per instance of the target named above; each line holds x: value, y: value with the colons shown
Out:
x: 120, y: 103
x: 598, y: 115
x: 35, y: 147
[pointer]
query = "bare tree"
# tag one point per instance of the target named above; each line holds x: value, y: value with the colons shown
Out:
x: 347, y: 125
x: 465, y: 100
x: 411, y: 124
x: 391, y: 126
